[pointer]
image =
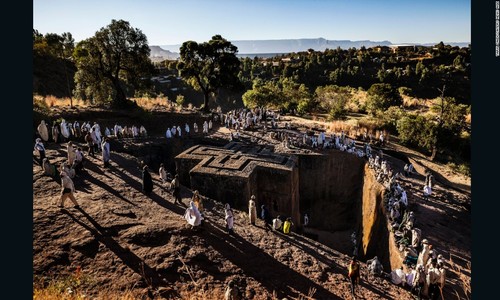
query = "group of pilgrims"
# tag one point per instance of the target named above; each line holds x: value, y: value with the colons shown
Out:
x: 426, y: 269
x: 176, y: 131
x: 66, y: 131
x: 71, y: 133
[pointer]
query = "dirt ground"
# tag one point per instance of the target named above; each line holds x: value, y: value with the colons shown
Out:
x: 122, y: 240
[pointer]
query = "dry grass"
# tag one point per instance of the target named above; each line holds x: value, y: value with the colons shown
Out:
x: 410, y: 102
x: 155, y: 103
x: 51, y: 101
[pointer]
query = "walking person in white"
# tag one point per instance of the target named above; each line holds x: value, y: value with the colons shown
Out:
x: 105, y: 152
x: 68, y: 188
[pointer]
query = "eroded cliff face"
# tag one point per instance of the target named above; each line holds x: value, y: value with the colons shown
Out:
x: 376, y: 238
x: 331, y: 189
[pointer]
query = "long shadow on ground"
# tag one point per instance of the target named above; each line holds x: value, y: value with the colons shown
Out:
x: 261, y: 266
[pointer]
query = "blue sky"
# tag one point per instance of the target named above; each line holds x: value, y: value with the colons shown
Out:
x: 173, y: 22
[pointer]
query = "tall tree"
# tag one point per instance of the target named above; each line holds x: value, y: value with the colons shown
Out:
x: 381, y: 96
x: 209, y: 66
x: 450, y: 121
x: 116, y: 55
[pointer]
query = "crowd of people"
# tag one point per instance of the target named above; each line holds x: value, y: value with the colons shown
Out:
x: 426, y: 269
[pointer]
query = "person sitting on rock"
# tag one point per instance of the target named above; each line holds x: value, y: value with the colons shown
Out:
x: 232, y: 292
x: 374, y: 266
x: 277, y: 223
x: 398, y: 276
x: 287, y: 225
x: 48, y: 168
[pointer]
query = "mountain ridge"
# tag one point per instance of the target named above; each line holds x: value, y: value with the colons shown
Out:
x: 303, y: 44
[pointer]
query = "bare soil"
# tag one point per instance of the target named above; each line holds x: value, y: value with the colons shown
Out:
x: 121, y: 239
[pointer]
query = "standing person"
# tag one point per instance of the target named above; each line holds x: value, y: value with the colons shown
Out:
x: 229, y: 218
x: 106, y: 153
x: 147, y: 182
x: 306, y: 220
x: 163, y: 174
x: 71, y: 153
x: 427, y: 192
x: 198, y: 201
x: 266, y: 216
x: 40, y: 148
x: 176, y: 186
x: 68, y: 188
x: 353, y: 274
x: 78, y: 163
x: 252, y: 210
x: 90, y: 144
x: 55, y: 132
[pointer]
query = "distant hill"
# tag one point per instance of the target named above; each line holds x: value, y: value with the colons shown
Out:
x: 246, y: 47
x: 159, y: 54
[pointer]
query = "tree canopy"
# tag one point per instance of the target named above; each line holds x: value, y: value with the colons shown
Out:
x: 111, y: 63
x: 381, y: 96
x: 209, y: 66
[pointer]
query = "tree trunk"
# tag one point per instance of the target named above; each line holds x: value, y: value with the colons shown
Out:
x: 206, y: 98
x: 434, y: 151
x: 120, y: 97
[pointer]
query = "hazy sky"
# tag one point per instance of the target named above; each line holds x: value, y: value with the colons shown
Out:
x: 168, y: 22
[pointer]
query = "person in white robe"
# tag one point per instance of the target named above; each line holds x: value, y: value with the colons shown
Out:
x: 192, y: 215
x: 106, y: 154
x: 168, y: 133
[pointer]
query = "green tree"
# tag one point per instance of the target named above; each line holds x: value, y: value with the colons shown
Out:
x: 417, y: 130
x: 116, y: 55
x: 296, y: 96
x: 381, y: 96
x: 263, y: 94
x: 209, y: 66
x: 450, y: 121
x: 333, y: 99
